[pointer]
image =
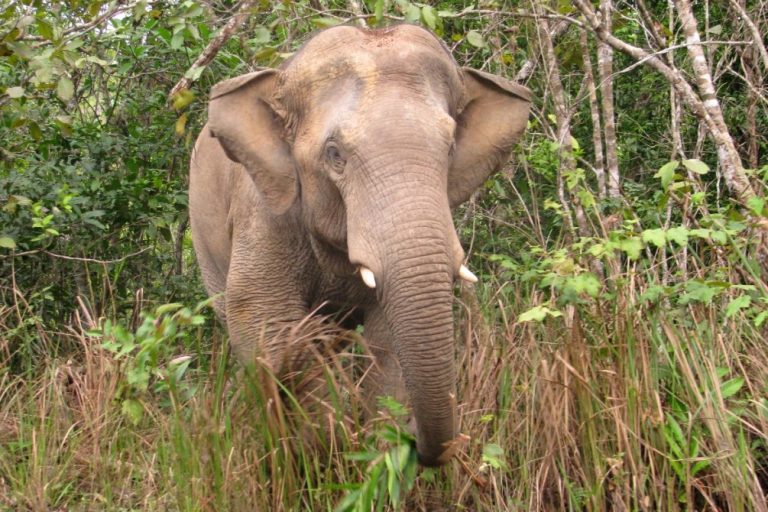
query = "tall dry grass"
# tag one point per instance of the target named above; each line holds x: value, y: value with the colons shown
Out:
x: 617, y: 405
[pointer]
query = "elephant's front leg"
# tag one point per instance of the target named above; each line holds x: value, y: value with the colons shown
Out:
x: 263, y: 301
x: 385, y: 375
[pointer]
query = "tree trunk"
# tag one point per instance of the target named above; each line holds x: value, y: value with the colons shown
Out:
x: 728, y: 156
x: 605, y: 72
x: 564, y: 138
x: 594, y: 109
x: 706, y: 109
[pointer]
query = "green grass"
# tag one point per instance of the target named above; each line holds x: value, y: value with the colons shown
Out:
x: 618, y: 404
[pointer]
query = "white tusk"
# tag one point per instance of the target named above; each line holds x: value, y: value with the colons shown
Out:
x: 467, y: 274
x: 368, y: 278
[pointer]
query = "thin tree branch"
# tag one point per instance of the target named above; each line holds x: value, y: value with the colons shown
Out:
x: 756, y: 36
x: 526, y: 70
x: 210, y: 51
x: 74, y: 258
x: 80, y: 30
x: 355, y: 7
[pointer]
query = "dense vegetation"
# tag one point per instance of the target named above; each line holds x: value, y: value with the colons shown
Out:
x: 613, y: 357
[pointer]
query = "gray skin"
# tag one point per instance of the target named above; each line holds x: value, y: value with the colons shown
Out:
x: 351, y: 155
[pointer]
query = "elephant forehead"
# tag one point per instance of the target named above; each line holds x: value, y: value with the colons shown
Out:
x: 410, y: 57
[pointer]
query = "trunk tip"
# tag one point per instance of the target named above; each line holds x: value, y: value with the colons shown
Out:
x: 448, y: 451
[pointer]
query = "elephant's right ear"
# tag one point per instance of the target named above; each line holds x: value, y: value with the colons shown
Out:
x: 251, y: 133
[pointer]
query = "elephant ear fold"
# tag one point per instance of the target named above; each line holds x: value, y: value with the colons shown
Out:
x: 251, y: 133
x: 494, y: 117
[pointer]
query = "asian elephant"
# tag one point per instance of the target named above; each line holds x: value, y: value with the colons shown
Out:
x: 331, y: 179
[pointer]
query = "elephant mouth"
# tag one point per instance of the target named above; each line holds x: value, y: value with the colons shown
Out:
x: 332, y: 257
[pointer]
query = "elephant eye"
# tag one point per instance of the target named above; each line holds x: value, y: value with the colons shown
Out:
x: 334, y: 158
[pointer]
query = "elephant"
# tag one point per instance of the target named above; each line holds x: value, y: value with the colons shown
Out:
x: 331, y: 179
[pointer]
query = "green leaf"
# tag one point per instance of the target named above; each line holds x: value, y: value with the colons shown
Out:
x: 737, y: 304
x: 260, y: 36
x: 565, y: 7
x: 348, y: 503
x: 715, y: 30
x: 15, y: 92
x: 182, y: 98
x: 493, y: 455
x: 657, y: 237
x: 699, y: 466
x: 325, y: 22
x: 586, y: 198
x: 393, y: 406
x: 7, y: 242
x: 667, y: 173
x: 94, y: 8
x: 632, y: 246
x: 731, y: 387
x: 168, y: 308
x: 476, y: 39
x: 65, y: 89
x: 679, y: 235
x: 696, y: 166
x: 675, y: 438
x: 194, y: 72
x: 756, y: 205
x: 761, y: 318
x: 429, y: 16
x: 652, y: 294
x: 23, y: 50
x: 361, y: 456
x: 697, y: 291
x: 133, y: 410
x: 720, y: 237
x: 537, y: 314
x: 703, y: 233
x: 45, y: 29
x: 181, y: 125
x: 378, y: 11
x: 177, y: 41
x: 585, y: 282
x: 412, y: 13
x: 576, y: 147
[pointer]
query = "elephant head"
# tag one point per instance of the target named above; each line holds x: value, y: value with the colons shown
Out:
x: 369, y: 138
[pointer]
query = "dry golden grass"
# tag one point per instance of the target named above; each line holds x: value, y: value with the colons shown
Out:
x: 585, y: 412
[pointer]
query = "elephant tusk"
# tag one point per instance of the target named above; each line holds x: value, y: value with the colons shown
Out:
x: 368, y: 278
x: 467, y: 274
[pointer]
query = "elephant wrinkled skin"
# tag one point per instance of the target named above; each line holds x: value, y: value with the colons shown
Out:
x: 340, y: 167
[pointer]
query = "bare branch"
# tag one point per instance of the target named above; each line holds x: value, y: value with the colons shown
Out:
x: 210, y: 51
x: 79, y: 30
x: 526, y: 70
x: 757, y: 38
x: 355, y: 7
x: 74, y: 258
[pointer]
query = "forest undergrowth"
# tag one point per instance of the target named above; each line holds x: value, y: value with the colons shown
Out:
x: 612, y: 357
x: 626, y: 401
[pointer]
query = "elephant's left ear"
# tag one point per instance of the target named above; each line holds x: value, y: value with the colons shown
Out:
x: 241, y: 117
x: 494, y: 118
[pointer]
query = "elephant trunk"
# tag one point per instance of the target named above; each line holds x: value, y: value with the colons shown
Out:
x: 418, y: 296
x: 419, y: 255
